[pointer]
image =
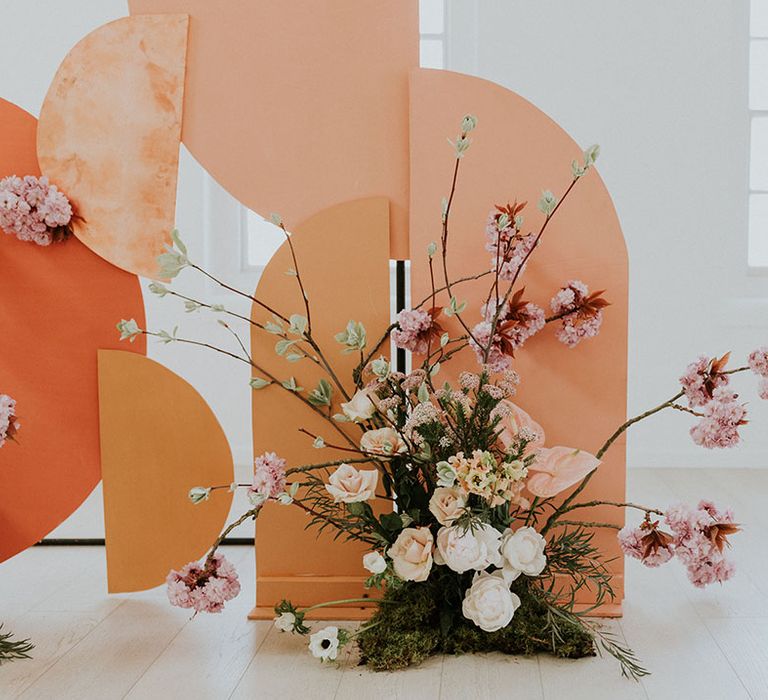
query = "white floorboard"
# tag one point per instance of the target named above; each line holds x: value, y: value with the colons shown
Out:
x: 710, y: 644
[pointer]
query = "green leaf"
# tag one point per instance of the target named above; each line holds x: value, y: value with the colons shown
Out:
x: 355, y: 509
x: 259, y: 383
x: 391, y: 521
x: 290, y: 384
x: 176, y: 238
x: 298, y: 324
x: 321, y: 396
x: 281, y: 346
x: 423, y: 393
x: 274, y: 328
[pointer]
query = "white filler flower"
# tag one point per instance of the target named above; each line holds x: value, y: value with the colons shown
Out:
x: 375, y: 563
x: 285, y: 621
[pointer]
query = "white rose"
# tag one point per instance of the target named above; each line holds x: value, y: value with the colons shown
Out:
x: 462, y: 550
x: 384, y: 441
x: 359, y: 407
x: 324, y: 645
x: 375, y: 563
x: 285, y: 621
x: 411, y: 553
x: 523, y: 552
x: 447, y: 504
x: 350, y: 485
x: 489, y: 603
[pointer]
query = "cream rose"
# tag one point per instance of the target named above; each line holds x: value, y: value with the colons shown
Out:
x: 462, y: 550
x: 359, y: 407
x: 384, y: 441
x: 350, y: 485
x: 523, y: 553
x: 489, y: 603
x: 447, y: 504
x: 411, y: 553
x: 375, y: 563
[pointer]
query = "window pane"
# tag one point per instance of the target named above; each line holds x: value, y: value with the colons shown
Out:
x: 758, y: 230
x: 431, y: 53
x: 758, y: 154
x: 263, y: 239
x: 758, y: 75
x: 431, y: 16
x: 758, y: 18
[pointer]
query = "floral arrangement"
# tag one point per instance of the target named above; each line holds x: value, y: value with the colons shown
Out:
x: 9, y: 423
x: 480, y: 546
x: 34, y: 210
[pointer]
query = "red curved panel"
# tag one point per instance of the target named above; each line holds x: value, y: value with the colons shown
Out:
x: 58, y: 304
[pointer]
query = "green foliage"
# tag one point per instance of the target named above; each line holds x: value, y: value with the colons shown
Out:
x: 426, y: 620
x: 11, y: 649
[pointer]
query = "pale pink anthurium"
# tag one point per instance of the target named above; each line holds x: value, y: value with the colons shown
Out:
x: 515, y: 421
x: 557, y: 468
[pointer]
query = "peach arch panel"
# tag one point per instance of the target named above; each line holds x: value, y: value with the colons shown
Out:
x: 343, y: 257
x: 296, y: 106
x: 58, y: 304
x: 578, y: 395
x: 109, y: 135
x: 158, y: 439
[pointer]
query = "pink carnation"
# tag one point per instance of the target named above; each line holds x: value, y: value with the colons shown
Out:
x: 268, y: 478
x: 702, y: 377
x: 722, y: 417
x: 9, y: 425
x: 758, y: 361
x: 415, y: 330
x: 205, y: 588
x: 34, y: 210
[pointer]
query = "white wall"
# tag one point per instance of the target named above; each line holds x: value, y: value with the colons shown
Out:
x: 662, y: 86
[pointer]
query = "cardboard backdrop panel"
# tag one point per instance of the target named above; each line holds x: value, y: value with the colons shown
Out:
x: 109, y: 135
x: 58, y: 304
x: 296, y: 106
x: 343, y: 257
x: 158, y: 439
x: 578, y: 395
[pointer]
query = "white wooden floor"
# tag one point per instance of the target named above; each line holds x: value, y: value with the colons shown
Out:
x: 699, y: 644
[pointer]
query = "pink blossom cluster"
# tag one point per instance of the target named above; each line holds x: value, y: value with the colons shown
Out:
x: 700, y: 537
x: 33, y: 209
x: 8, y: 423
x: 699, y: 381
x: 758, y: 363
x: 580, y: 320
x: 413, y: 330
x: 633, y: 542
x: 719, y: 425
x: 205, y: 588
x: 508, y: 246
x: 268, y: 478
x: 513, y: 328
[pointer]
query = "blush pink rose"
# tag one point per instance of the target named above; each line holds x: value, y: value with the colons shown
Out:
x: 350, y: 485
x: 411, y: 554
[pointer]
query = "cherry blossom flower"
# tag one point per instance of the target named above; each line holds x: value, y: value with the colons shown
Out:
x: 34, y: 210
x: 722, y: 417
x: 581, y: 312
x: 9, y: 424
x: 653, y: 547
x: 758, y: 361
x: 206, y: 587
x: 268, y: 478
x: 702, y: 377
x: 416, y: 328
x: 508, y: 246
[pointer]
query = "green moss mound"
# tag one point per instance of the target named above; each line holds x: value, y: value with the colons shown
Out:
x: 419, y: 620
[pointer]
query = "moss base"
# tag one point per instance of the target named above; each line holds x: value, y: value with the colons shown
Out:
x: 418, y: 621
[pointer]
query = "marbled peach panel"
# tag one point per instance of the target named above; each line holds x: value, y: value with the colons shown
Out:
x: 109, y: 135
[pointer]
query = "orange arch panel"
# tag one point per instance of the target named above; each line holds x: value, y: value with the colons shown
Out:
x: 301, y: 97
x: 109, y: 135
x: 158, y: 439
x: 346, y: 274
x: 58, y: 304
x: 578, y: 395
